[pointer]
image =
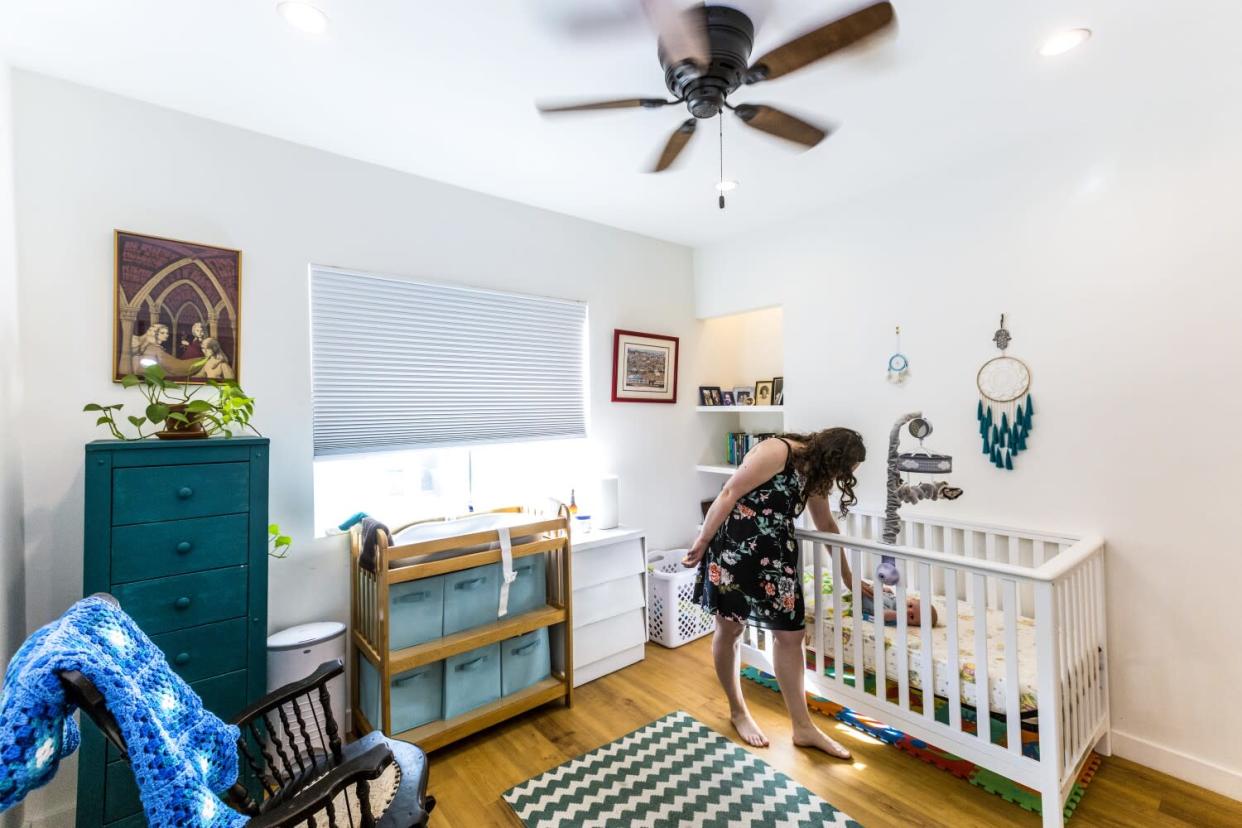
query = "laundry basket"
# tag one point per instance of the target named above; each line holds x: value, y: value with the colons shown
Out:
x: 673, y: 618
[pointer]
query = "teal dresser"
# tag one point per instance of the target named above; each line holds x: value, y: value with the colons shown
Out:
x: 177, y: 531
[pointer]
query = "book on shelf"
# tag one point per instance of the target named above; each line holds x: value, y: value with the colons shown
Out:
x: 737, y: 443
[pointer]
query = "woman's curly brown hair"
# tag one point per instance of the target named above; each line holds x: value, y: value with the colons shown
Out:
x: 826, y: 459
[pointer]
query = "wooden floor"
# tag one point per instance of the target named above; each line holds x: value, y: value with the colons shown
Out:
x: 882, y: 787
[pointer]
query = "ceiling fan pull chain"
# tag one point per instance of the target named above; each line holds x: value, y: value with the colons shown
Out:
x: 720, y: 123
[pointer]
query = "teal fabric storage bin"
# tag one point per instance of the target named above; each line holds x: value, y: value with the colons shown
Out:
x: 471, y: 679
x: 369, y: 692
x: 416, y: 612
x: 530, y: 590
x: 471, y: 597
x: 417, y: 696
x: 524, y: 660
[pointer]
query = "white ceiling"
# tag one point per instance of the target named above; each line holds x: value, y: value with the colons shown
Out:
x: 446, y: 90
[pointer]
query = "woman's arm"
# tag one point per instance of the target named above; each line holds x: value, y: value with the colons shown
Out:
x: 821, y: 516
x: 758, y: 466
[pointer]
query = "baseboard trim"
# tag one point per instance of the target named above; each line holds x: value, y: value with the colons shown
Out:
x: 1222, y: 780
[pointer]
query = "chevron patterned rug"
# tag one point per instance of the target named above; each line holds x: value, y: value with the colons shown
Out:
x: 674, y: 773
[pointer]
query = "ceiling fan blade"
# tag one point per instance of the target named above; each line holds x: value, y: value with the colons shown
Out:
x: 682, y: 32
x: 781, y: 124
x: 821, y: 42
x: 623, y: 103
x: 676, y: 143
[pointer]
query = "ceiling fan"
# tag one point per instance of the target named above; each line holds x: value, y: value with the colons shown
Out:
x: 705, y: 54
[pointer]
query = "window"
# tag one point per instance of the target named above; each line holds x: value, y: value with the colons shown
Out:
x: 431, y: 399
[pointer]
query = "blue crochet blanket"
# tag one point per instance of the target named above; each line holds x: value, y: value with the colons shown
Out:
x: 180, y: 753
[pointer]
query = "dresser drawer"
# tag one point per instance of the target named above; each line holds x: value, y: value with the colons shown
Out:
x: 142, y: 495
x: 210, y: 650
x: 153, y: 550
x: 608, y: 562
x: 166, y: 604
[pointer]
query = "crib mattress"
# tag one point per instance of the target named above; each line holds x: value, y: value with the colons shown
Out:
x: 966, y: 621
x: 439, y: 530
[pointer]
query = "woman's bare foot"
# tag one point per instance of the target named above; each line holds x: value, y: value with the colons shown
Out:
x: 748, y: 730
x: 815, y: 738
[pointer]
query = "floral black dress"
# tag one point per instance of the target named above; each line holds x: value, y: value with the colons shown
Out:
x: 750, y: 571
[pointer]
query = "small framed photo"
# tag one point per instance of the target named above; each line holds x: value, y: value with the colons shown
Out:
x: 644, y: 367
x: 778, y: 391
x: 763, y: 392
x: 709, y: 395
x: 726, y: 398
x: 744, y: 395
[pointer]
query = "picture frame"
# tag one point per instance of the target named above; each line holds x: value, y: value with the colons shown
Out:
x: 726, y: 398
x: 744, y: 395
x: 763, y: 392
x: 778, y: 391
x: 709, y: 395
x: 176, y: 304
x: 644, y: 367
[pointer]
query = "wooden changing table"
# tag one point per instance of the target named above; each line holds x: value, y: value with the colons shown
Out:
x: 369, y: 599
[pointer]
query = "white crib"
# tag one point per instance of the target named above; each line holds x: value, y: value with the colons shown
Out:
x: 1044, y: 589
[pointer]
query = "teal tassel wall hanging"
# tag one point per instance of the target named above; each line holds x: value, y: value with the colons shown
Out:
x: 1005, y: 408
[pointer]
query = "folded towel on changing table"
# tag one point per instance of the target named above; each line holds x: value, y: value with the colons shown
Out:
x: 371, y: 530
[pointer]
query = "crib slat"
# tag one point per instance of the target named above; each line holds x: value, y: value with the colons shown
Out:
x: 954, y: 662
x: 856, y: 625
x: 926, y: 641
x: 838, y: 622
x: 983, y: 696
x: 1038, y: 553
x: 903, y: 640
x: 877, y: 623
x: 990, y: 554
x: 1013, y: 710
x: 1089, y: 662
x: 1067, y: 678
x: 968, y: 551
x: 1080, y: 630
x: 817, y: 551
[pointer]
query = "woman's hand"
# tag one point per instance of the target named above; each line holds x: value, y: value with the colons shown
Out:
x: 695, y: 554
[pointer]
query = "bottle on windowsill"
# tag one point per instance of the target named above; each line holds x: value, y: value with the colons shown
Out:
x: 573, y: 505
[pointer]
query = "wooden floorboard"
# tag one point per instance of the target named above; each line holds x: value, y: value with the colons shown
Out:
x: 882, y: 787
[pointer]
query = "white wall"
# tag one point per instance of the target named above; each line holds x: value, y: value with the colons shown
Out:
x: 1120, y: 281
x: 89, y: 162
x: 12, y: 597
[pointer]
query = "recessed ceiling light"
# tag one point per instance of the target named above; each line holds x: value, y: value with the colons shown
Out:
x: 726, y: 186
x: 303, y: 16
x: 1062, y: 42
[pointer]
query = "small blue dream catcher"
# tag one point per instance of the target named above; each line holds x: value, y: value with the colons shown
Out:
x: 898, y: 364
x: 1005, y: 406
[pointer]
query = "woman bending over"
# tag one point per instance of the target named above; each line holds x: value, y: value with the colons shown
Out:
x: 748, y: 563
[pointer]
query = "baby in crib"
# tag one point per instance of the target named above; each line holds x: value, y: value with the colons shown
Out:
x: 914, y: 606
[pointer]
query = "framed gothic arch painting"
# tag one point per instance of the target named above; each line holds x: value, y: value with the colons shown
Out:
x: 177, y: 304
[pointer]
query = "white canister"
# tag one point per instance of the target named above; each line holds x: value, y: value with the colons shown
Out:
x: 604, y: 509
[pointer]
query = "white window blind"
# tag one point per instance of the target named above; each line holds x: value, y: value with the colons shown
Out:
x: 401, y: 364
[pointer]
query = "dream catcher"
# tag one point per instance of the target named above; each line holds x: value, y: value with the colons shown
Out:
x: 1005, y: 406
x: 898, y: 365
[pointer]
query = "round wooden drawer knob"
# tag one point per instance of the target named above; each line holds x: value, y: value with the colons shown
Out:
x: 182, y: 603
x: 184, y: 547
x: 185, y: 493
x: 182, y: 658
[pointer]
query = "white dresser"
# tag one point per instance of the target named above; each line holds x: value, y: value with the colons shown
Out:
x: 610, y: 601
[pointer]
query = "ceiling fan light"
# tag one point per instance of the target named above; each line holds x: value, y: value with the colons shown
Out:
x: 303, y: 16
x: 728, y: 185
x: 1063, y: 41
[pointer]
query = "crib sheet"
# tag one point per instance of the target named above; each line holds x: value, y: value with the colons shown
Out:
x: 438, y: 530
x: 940, y: 659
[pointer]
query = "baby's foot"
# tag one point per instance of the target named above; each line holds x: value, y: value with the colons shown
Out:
x: 748, y: 730
x: 815, y: 738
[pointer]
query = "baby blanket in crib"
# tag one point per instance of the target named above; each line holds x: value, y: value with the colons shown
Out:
x: 180, y: 753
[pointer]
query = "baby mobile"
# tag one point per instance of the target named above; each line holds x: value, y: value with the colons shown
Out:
x: 898, y: 365
x: 1005, y: 406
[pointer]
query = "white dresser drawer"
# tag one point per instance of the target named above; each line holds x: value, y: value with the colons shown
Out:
x: 608, y: 599
x: 612, y: 635
x: 608, y: 563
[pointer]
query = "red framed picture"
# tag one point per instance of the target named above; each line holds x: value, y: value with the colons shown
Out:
x: 644, y: 367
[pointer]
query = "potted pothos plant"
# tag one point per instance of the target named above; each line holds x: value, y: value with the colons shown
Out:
x: 174, y: 411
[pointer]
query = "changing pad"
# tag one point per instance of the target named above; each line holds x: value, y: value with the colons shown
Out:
x: 441, y: 529
x: 940, y: 657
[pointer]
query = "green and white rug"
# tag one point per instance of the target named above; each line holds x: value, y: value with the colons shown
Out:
x: 676, y: 771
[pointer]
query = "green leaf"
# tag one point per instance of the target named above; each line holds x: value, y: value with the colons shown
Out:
x: 198, y: 406
x: 102, y: 421
x: 178, y: 417
x: 157, y: 412
x: 116, y: 407
x: 130, y: 380
x: 136, y: 422
x: 154, y: 372
x: 273, y: 528
x: 92, y: 407
x: 284, y: 540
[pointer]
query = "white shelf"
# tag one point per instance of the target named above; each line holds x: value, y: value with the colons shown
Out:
x: 719, y: 469
x: 741, y: 409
